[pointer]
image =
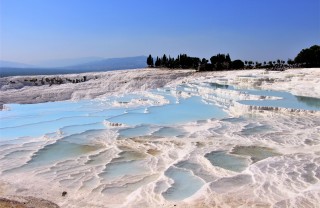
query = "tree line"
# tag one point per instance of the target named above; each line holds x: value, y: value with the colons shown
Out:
x: 183, y: 61
x: 309, y: 57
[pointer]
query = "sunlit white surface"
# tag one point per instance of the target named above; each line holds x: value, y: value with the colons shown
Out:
x: 180, y: 144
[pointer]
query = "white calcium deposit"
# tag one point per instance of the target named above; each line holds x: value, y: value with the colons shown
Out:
x: 161, y: 138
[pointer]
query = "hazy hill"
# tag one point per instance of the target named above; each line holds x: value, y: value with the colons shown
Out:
x: 57, y: 63
x: 92, y: 66
x: 112, y: 64
x: 13, y: 64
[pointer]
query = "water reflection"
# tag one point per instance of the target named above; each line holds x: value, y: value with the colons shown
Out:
x: 310, y: 101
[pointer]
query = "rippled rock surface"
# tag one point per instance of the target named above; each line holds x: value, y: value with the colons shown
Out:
x: 207, y: 141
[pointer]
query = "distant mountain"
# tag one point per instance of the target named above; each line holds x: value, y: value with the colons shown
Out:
x: 93, y: 66
x: 112, y: 64
x: 57, y: 63
x: 13, y: 64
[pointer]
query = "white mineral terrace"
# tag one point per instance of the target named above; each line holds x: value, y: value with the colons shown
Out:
x: 160, y: 138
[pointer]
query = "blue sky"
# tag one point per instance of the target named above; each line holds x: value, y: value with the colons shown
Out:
x: 35, y: 30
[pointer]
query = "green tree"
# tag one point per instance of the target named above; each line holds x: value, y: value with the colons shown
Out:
x: 150, y: 61
x: 164, y: 60
x: 258, y: 65
x: 290, y: 62
x: 221, y: 61
x: 237, y: 64
x: 204, y: 61
x: 214, y: 60
x: 157, y: 63
x: 228, y: 59
x: 309, y: 57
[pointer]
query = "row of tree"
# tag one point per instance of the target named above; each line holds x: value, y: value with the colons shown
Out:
x: 309, y: 57
x: 183, y: 61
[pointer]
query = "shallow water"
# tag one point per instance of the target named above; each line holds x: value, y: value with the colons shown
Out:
x: 283, y: 99
x: 287, y: 100
x: 185, y: 184
x: 256, y: 153
x: 166, y: 145
x: 169, y: 132
x: 230, y: 162
x: 137, y: 131
x: 187, y: 110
